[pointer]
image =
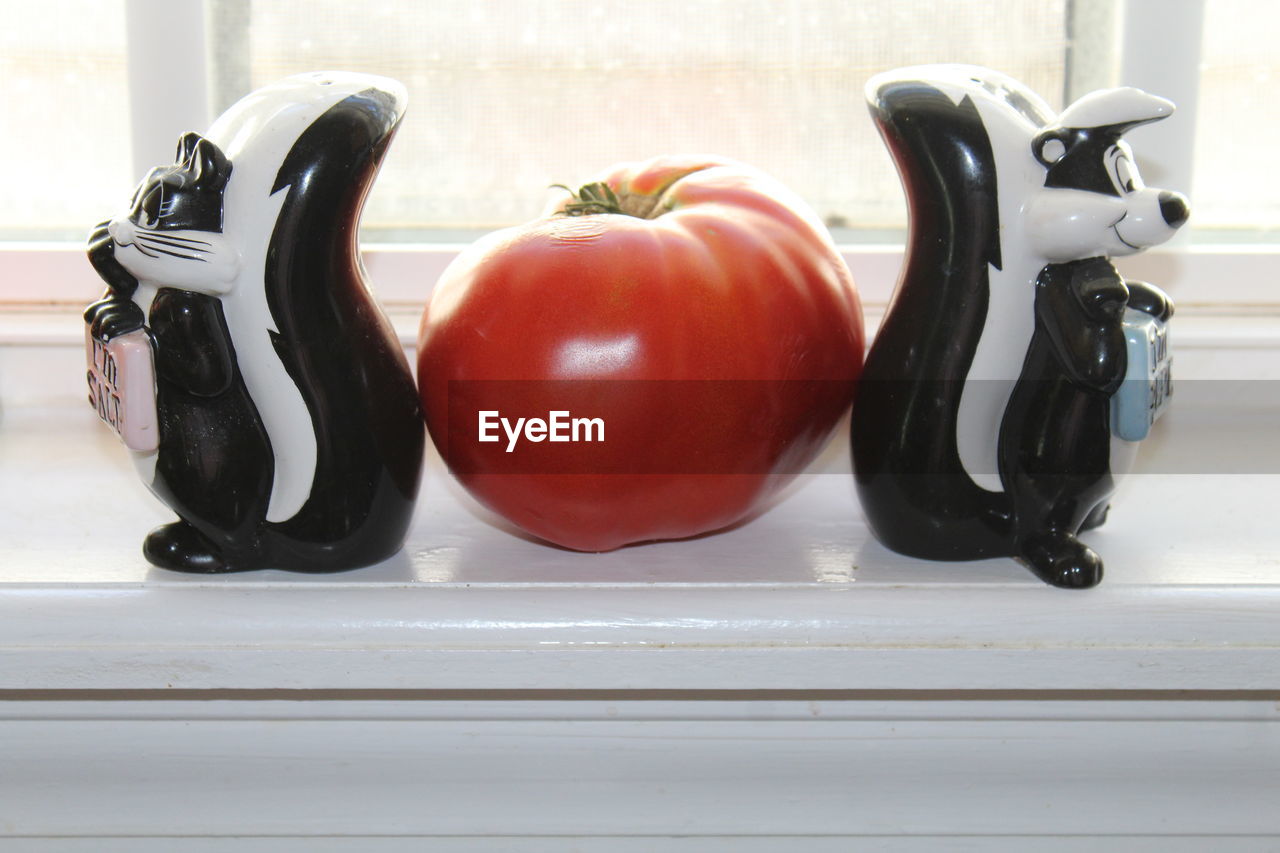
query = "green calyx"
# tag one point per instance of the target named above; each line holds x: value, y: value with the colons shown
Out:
x: 592, y: 199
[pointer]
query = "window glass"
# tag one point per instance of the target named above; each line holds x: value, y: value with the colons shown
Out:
x: 510, y: 96
x: 65, y: 145
x: 1236, y: 183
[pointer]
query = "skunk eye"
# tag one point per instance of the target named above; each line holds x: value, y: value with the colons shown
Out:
x: 149, y: 211
x: 1127, y: 179
x: 1052, y: 151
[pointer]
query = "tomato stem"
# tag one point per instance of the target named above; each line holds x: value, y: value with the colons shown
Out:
x: 592, y: 199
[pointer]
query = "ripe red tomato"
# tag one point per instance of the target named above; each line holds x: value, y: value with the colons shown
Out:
x: 694, y: 307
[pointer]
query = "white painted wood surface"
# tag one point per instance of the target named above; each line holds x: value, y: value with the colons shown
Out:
x: 787, y: 684
x: 611, y: 769
x: 800, y: 598
x: 651, y: 844
x: 1238, y: 277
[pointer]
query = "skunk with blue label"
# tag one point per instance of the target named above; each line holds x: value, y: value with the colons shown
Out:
x: 238, y: 351
x: 1015, y: 368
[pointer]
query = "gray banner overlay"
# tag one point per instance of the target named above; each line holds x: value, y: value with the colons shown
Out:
x: 717, y: 427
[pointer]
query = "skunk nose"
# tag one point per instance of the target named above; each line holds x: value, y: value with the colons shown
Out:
x: 1174, y: 209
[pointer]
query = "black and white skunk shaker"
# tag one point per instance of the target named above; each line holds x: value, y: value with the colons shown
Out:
x: 1015, y: 369
x: 238, y: 351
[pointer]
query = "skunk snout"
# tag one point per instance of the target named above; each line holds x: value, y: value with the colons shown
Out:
x: 1174, y: 208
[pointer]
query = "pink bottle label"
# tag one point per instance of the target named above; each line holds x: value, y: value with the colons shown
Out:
x: 122, y: 387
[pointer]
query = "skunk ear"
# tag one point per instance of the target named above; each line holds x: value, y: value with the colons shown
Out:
x: 208, y: 161
x: 186, y: 145
x: 1049, y: 147
x: 1118, y: 109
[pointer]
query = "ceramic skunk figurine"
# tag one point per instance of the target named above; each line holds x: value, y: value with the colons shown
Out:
x: 237, y: 349
x: 1015, y: 368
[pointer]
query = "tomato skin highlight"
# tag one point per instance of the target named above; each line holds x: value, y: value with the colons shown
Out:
x: 719, y: 341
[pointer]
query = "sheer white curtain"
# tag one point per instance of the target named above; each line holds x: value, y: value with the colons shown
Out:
x: 509, y: 96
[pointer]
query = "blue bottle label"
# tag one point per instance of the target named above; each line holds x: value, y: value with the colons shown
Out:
x: 1147, y: 385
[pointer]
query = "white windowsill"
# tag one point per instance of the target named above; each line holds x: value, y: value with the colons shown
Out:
x: 1228, y: 276
x: 799, y: 599
x: 470, y: 605
x: 804, y: 581
x: 789, y: 678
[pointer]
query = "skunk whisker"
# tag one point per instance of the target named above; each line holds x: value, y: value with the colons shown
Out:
x: 174, y: 254
x: 155, y: 241
x: 168, y: 236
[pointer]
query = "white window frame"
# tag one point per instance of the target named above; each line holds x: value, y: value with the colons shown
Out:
x: 1158, y: 48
